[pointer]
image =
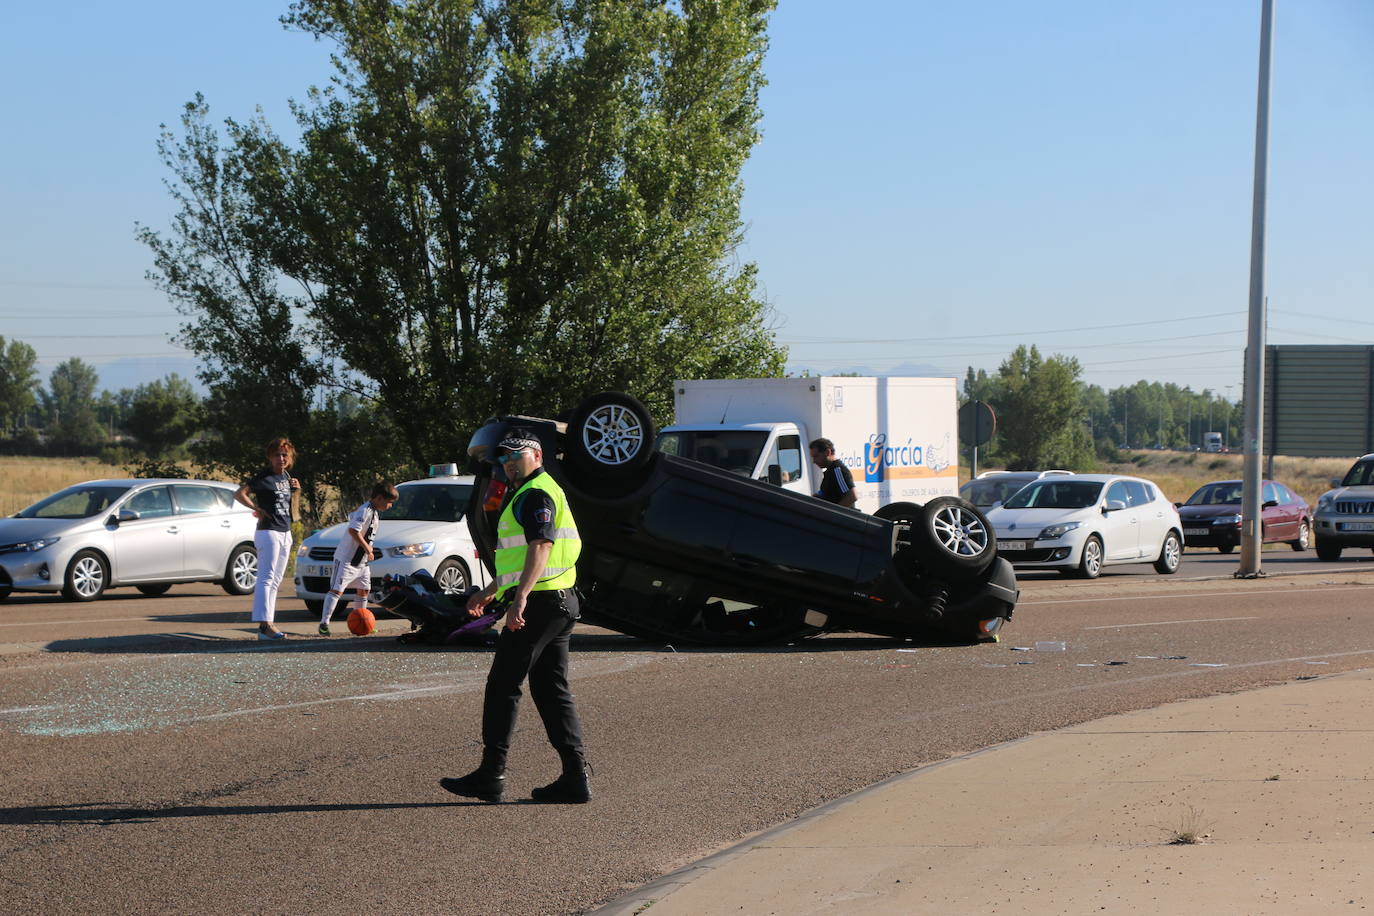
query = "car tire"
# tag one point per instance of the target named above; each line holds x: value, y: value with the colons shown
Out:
x: 87, y: 577
x: 453, y: 576
x: 1304, y: 538
x: 1170, y: 555
x: 241, y: 570
x: 1225, y: 548
x: 152, y: 591
x: 1329, y: 552
x: 314, y: 608
x: 5, y: 592
x: 948, y: 534
x: 1090, y: 563
x: 610, y: 435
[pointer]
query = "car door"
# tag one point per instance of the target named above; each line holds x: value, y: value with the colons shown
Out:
x: 786, y: 455
x: 1120, y: 527
x: 1280, y: 522
x: 148, y: 547
x: 1152, y: 515
x: 202, y: 513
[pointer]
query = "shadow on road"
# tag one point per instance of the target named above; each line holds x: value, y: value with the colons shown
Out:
x: 93, y: 814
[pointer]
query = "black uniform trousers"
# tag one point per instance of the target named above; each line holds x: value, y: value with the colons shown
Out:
x: 538, y: 650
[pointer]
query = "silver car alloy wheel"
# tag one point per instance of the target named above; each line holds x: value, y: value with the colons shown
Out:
x: 960, y: 531
x: 88, y: 577
x: 613, y: 434
x: 1092, y: 557
x: 1173, y: 552
x: 245, y: 570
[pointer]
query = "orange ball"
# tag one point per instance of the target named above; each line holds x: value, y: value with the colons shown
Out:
x: 361, y: 622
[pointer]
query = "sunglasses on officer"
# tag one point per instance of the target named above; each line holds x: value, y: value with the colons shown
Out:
x: 510, y: 456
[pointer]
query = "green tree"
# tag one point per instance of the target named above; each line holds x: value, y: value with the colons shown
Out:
x: 163, y: 414
x: 18, y: 382
x: 1040, y: 414
x: 497, y: 206
x: 69, y: 403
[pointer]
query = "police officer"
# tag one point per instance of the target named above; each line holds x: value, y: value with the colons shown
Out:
x: 536, y: 558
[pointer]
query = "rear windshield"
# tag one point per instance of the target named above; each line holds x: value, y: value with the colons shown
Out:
x: 992, y: 490
x: 1216, y: 494
x: 1055, y: 494
x: 81, y: 501
x: 1361, y: 475
x: 429, y: 502
x: 734, y: 450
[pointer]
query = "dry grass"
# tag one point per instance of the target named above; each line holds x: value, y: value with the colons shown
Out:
x: 24, y: 481
x: 1178, y: 474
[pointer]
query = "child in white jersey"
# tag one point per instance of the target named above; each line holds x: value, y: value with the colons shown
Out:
x: 354, y: 552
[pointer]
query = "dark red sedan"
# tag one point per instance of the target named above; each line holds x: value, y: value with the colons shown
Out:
x: 1211, y: 516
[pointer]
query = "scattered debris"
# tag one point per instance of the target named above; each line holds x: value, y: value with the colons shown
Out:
x: 1317, y: 663
x: 1118, y: 663
x: 1173, y: 658
x: 1147, y: 656
x: 908, y: 650
x: 1307, y: 677
x: 1020, y: 648
x: 1050, y: 646
x: 1207, y: 664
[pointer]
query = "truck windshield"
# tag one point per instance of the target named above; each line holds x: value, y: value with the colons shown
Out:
x: 735, y: 450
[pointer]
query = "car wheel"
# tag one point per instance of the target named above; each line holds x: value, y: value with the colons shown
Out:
x: 241, y: 572
x: 87, y: 576
x: 949, y: 535
x: 610, y: 434
x: 152, y: 591
x: 1170, y: 555
x: 1327, y: 551
x: 452, y: 576
x: 5, y: 592
x: 1090, y: 564
x: 1304, y: 538
x: 1225, y: 548
x: 314, y: 608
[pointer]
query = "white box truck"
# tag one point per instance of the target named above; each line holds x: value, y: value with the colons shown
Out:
x: 898, y: 436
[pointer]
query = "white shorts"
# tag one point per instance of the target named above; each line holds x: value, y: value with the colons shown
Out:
x: 345, y: 577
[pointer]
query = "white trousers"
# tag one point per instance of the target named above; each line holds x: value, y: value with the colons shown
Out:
x: 274, y: 549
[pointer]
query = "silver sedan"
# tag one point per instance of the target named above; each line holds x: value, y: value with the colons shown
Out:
x: 144, y: 533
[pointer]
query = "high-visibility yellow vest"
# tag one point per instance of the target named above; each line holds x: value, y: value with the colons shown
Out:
x: 511, y: 547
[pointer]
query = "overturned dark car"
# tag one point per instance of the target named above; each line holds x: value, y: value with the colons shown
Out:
x: 676, y: 550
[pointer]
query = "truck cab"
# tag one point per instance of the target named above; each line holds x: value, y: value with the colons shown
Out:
x: 775, y: 453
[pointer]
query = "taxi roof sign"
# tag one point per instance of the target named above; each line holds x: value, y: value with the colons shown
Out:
x: 443, y: 470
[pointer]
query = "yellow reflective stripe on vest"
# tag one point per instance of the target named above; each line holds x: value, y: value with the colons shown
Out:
x: 512, y: 548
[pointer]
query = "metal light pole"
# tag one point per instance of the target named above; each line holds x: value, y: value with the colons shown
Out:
x: 1251, y: 506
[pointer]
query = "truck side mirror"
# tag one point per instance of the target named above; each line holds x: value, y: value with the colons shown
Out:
x: 775, y: 475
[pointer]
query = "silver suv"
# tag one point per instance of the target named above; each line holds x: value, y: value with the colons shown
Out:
x: 1345, y: 515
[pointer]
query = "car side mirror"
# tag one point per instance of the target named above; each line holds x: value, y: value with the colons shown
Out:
x: 1270, y: 504
x: 775, y: 475
x: 1335, y: 482
x: 127, y: 515
x: 1113, y: 505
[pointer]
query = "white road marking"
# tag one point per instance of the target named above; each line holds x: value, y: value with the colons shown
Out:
x: 1165, y: 597
x: 1165, y: 623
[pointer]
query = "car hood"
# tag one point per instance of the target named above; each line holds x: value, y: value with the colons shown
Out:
x: 1352, y: 493
x: 1026, y: 522
x: 389, y: 533
x: 17, y: 530
x: 1208, y: 511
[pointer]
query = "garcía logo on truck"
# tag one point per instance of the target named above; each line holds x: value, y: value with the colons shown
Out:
x: 905, y: 460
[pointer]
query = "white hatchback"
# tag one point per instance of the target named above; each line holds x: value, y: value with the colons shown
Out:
x: 1082, y: 523
x: 424, y: 530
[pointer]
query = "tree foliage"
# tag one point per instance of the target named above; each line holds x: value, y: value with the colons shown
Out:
x: 1041, y: 417
x: 69, y: 403
x: 18, y: 382
x: 494, y: 207
x: 163, y: 414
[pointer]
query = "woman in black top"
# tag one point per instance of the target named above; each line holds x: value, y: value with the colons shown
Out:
x: 271, y: 495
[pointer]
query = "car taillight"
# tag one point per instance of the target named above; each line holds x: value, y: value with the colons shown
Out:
x: 495, y: 491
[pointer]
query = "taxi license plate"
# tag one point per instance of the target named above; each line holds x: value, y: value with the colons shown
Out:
x: 1194, y: 532
x: 1358, y: 526
x: 1013, y: 545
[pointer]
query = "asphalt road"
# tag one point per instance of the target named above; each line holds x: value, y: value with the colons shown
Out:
x: 158, y: 759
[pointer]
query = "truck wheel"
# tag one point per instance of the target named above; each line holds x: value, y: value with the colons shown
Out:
x: 610, y: 435
x: 1328, y: 551
x: 948, y: 534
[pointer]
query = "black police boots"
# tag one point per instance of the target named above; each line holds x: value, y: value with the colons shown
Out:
x: 487, y: 782
x: 571, y: 788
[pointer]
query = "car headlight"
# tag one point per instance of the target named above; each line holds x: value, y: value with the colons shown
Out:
x: 1325, y: 500
x: 423, y: 549
x: 303, y: 550
x: 33, y: 546
x: 1057, y: 531
x: 1226, y: 520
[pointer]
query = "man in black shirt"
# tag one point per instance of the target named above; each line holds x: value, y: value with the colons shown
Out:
x: 837, y: 484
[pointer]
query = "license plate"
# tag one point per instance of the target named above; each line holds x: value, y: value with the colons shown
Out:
x: 1357, y: 526
x: 313, y: 569
x: 1191, y: 532
x: 1013, y: 545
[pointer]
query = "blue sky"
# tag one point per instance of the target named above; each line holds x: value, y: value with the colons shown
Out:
x: 938, y: 181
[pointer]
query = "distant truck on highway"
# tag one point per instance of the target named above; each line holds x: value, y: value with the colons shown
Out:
x: 1211, y: 442
x: 897, y: 436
